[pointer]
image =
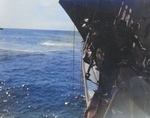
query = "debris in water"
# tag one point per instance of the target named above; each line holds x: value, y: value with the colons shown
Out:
x: 66, y: 103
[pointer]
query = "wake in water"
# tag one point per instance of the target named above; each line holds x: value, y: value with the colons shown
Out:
x: 50, y: 43
x: 36, y: 41
x: 38, y: 48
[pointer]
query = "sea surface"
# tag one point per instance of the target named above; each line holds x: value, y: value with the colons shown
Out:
x: 36, y: 74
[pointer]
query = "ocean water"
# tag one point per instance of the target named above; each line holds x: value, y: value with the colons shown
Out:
x: 36, y: 74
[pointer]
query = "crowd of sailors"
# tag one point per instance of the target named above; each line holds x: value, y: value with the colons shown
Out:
x: 114, y: 49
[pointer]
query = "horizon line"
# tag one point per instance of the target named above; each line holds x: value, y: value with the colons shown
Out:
x: 40, y: 29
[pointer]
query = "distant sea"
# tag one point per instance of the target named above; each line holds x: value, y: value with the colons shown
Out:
x: 36, y: 74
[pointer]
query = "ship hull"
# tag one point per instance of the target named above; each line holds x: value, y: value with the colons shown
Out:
x: 133, y: 12
x: 136, y: 14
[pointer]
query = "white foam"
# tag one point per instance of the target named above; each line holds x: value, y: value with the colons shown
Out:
x: 55, y: 46
x: 48, y: 43
x: 17, y: 50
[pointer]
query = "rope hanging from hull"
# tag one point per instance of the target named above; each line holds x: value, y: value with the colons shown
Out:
x: 73, y: 57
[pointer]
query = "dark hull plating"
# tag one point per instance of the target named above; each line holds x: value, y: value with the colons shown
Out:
x: 136, y: 15
x: 132, y: 11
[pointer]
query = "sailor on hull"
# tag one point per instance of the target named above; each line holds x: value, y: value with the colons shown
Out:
x: 116, y: 39
x: 113, y: 54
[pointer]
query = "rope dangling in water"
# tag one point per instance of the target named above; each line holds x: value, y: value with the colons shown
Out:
x: 73, y: 58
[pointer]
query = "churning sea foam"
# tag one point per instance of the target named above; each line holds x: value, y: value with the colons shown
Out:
x: 50, y: 43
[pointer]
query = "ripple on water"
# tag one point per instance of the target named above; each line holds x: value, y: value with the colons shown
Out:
x: 39, y: 85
